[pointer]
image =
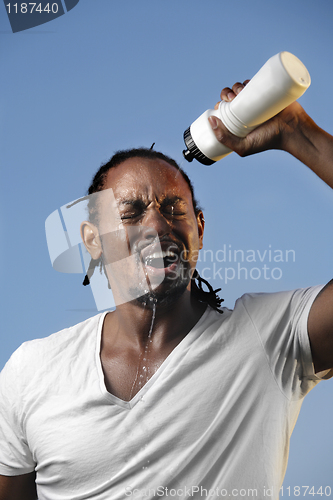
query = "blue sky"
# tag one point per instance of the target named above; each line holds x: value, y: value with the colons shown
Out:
x: 117, y: 74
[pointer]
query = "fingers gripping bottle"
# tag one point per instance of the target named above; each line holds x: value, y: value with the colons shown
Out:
x: 281, y: 81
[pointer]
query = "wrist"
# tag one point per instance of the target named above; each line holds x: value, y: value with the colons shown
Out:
x: 296, y: 128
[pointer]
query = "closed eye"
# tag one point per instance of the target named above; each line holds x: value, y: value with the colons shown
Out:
x: 175, y: 207
x: 131, y: 209
x: 129, y: 216
x: 172, y: 212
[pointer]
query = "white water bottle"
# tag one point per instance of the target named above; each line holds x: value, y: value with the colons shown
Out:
x: 281, y: 81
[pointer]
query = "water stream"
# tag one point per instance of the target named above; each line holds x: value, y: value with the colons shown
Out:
x: 143, y: 373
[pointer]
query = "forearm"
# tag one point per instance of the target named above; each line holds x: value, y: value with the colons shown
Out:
x: 292, y: 130
x: 310, y: 144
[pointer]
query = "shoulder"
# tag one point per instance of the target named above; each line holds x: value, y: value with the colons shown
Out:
x: 268, y: 305
x: 265, y: 309
x: 271, y: 314
x: 37, y: 355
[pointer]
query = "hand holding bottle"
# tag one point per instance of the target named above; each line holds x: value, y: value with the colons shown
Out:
x: 272, y: 134
x: 292, y: 130
x: 280, y: 81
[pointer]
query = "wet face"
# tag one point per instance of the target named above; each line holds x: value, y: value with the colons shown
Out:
x: 150, y: 235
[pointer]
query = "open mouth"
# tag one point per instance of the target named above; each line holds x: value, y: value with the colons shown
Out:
x: 161, y: 259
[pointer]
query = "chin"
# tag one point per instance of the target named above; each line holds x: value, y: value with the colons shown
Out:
x: 162, y: 295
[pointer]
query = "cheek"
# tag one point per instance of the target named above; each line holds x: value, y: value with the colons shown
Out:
x: 194, y: 234
x: 192, y: 242
x: 115, y: 246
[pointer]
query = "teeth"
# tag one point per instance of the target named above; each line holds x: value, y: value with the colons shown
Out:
x: 160, y: 255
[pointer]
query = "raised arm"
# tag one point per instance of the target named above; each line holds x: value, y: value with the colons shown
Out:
x: 295, y: 132
x: 292, y: 130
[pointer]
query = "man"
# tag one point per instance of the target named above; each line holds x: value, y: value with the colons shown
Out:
x: 165, y: 396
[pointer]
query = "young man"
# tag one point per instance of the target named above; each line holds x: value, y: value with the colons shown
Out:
x: 165, y: 396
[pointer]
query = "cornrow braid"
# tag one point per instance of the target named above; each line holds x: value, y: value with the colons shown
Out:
x: 210, y: 297
x: 92, y: 266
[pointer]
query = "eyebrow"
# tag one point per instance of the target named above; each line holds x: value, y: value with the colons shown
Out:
x: 139, y: 203
x: 134, y: 202
x: 171, y: 200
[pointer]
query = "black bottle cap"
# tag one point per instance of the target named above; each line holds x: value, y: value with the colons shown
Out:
x: 193, y: 151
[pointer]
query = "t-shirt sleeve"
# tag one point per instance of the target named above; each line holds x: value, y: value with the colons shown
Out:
x: 15, y: 456
x: 280, y: 320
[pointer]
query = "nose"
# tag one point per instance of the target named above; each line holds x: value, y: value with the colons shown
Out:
x: 155, y: 224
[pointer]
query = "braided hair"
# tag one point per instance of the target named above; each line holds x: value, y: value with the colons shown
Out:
x: 98, y: 182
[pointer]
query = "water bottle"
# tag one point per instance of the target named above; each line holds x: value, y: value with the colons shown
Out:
x: 281, y: 81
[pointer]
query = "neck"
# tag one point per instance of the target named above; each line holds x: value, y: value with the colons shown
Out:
x: 132, y: 322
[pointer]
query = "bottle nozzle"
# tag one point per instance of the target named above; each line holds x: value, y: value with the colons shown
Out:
x: 188, y: 155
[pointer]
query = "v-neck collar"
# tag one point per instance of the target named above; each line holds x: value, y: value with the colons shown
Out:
x: 181, y: 347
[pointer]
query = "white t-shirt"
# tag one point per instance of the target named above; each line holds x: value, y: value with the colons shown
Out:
x: 214, y: 420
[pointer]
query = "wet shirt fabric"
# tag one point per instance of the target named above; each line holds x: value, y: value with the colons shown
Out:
x: 216, y: 416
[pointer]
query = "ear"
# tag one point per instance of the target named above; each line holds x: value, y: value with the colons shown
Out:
x: 201, y: 227
x: 91, y: 239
